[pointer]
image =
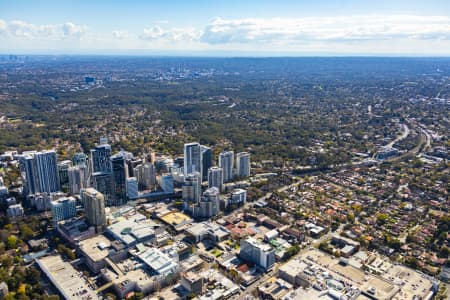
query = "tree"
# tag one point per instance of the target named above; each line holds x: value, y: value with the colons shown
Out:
x: 291, y: 251
x: 381, y: 219
x: 351, y: 217
x: 12, y: 242
x: 26, y: 232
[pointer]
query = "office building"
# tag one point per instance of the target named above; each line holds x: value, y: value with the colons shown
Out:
x: 132, y: 188
x: 209, y: 205
x: 215, y: 178
x: 28, y: 170
x: 62, y: 209
x: 207, y: 161
x: 80, y: 159
x: 94, y: 207
x: 69, y: 282
x: 119, y: 175
x: 243, y: 164
x: 226, y: 162
x: 166, y: 183
x: 262, y: 255
x: 192, y: 159
x: 63, y: 173
x: 102, y: 183
x: 100, y: 158
x: 191, y: 190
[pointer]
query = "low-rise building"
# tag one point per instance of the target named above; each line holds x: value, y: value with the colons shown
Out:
x: 69, y: 282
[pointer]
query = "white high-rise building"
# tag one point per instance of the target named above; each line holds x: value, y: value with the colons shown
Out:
x: 209, y: 205
x: 258, y: 253
x: 94, y: 207
x: 238, y: 196
x: 243, y: 164
x: 63, y: 208
x: 78, y: 178
x: 226, y: 162
x: 145, y: 175
x: 192, y: 189
x: 215, y: 178
x: 192, y: 159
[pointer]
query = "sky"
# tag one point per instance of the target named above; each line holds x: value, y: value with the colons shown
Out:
x: 226, y: 27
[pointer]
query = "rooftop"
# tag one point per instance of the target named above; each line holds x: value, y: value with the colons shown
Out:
x: 96, y: 248
x: 176, y: 219
x: 66, y: 279
x: 158, y: 261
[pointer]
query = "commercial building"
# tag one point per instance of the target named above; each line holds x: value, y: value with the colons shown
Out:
x: 100, y: 158
x: 166, y: 183
x: 215, y: 178
x: 75, y: 230
x: 191, y: 191
x: 98, y: 251
x: 119, y: 175
x: 102, y: 183
x: 243, y: 164
x: 94, y: 207
x: 258, y: 253
x: 178, y: 221
x: 192, y: 159
x: 68, y: 281
x: 192, y: 282
x: 133, y: 230
x: 226, y: 162
x: 159, y: 262
x: 207, y: 161
x: 132, y: 188
x: 63, y: 173
x: 207, y: 230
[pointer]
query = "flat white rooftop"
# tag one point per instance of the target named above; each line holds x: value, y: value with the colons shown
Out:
x: 66, y: 279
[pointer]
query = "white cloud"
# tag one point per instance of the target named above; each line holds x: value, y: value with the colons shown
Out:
x: 157, y: 33
x: 72, y: 30
x: 24, y: 30
x: 342, y: 28
x: 395, y: 34
x: 120, y: 34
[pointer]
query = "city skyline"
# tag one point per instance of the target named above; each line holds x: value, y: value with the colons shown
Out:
x: 231, y: 28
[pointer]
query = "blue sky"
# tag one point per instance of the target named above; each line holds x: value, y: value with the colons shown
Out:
x: 346, y: 27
